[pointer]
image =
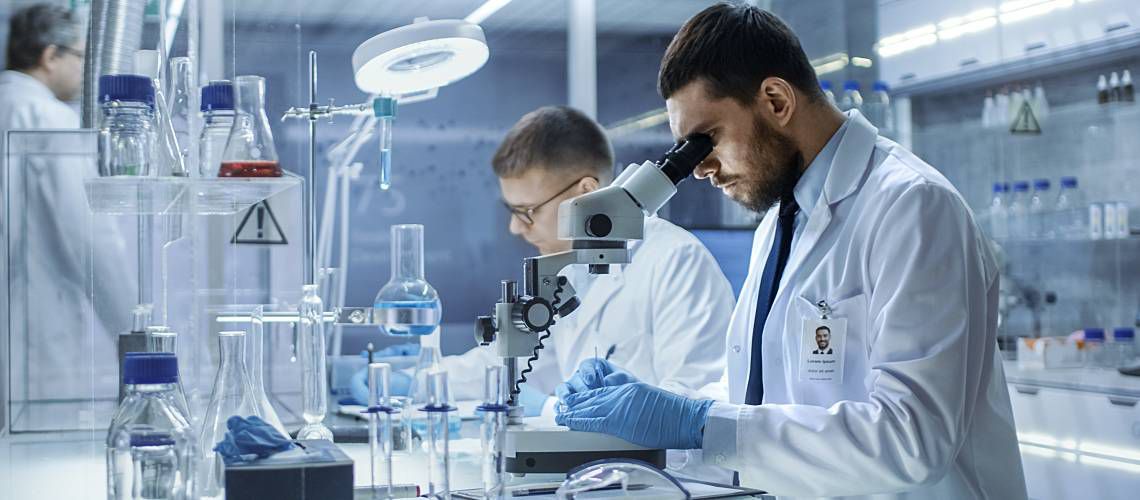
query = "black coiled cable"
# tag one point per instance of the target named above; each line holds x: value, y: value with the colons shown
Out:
x: 539, y: 346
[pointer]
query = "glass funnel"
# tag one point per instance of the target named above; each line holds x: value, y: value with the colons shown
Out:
x: 257, y: 369
x: 314, y: 381
x: 250, y: 151
x: 408, y: 304
x: 232, y: 395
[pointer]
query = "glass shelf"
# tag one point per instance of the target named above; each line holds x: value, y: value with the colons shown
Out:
x: 180, y: 195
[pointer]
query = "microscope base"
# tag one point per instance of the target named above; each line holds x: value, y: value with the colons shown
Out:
x: 542, y: 450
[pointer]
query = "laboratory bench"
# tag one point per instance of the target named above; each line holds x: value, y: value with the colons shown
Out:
x: 72, y: 464
x: 1078, y: 429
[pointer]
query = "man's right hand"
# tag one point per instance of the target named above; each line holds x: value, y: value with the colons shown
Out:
x: 594, y: 373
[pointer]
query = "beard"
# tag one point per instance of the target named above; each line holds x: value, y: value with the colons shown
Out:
x: 775, y: 166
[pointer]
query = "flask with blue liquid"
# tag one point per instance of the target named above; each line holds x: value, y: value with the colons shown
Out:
x: 408, y: 304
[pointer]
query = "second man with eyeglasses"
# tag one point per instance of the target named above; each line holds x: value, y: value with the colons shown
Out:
x: 662, y: 316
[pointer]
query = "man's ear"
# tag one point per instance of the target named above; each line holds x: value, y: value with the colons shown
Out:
x: 47, y: 56
x: 588, y: 184
x: 779, y: 98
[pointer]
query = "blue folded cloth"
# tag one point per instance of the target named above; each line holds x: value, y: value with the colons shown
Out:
x: 252, y: 438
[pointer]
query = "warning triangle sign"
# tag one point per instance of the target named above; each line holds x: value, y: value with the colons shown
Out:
x: 1025, y: 122
x: 259, y: 227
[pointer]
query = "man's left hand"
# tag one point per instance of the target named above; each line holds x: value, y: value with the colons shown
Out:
x: 639, y: 413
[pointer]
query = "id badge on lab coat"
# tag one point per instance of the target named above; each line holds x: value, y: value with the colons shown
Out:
x: 822, y: 343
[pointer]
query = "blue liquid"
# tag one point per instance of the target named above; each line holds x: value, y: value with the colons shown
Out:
x: 385, y: 168
x: 406, y: 317
x: 420, y: 425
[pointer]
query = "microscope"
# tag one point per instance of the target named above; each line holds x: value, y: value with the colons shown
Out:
x: 600, y: 225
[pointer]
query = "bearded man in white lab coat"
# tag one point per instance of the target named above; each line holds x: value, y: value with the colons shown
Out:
x: 860, y: 237
x: 662, y: 316
x: 65, y: 254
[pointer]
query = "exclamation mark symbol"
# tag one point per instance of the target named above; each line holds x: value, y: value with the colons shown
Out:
x: 260, y: 222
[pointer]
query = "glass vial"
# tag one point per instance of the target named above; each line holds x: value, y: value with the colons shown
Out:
x: 314, y: 383
x: 439, y: 459
x: 250, y: 151
x: 380, y: 437
x: 493, y: 431
x: 384, y: 109
x: 407, y: 304
x: 232, y: 395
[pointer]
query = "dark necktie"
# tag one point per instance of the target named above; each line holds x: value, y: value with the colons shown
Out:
x: 769, y: 284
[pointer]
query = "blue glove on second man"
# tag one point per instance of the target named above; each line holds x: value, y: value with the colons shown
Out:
x: 399, y: 384
x: 639, y: 413
x: 594, y: 373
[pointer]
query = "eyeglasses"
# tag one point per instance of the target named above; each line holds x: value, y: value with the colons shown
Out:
x: 68, y: 50
x: 526, y: 215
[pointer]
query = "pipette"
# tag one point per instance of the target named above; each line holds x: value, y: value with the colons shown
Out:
x: 380, y: 425
x: 494, y: 410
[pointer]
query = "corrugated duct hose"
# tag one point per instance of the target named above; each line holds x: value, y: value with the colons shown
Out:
x: 113, y: 36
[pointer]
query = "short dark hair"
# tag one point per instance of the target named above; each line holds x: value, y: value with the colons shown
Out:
x: 824, y: 328
x: 36, y: 27
x: 733, y: 48
x: 557, y: 138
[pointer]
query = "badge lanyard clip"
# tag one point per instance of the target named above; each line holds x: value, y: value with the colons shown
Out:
x: 824, y: 309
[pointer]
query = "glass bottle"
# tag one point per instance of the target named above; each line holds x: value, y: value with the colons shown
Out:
x: 218, y: 119
x: 126, y: 137
x: 250, y: 151
x: 232, y: 395
x: 151, y: 383
x: 407, y: 304
x: 159, y: 339
x: 314, y: 381
x: 257, y: 369
x: 152, y: 463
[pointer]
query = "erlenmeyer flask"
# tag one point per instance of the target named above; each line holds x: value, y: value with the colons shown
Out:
x: 257, y: 369
x: 232, y: 395
x: 250, y: 151
x: 407, y: 304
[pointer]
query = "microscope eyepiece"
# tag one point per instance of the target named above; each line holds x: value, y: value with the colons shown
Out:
x: 680, y: 161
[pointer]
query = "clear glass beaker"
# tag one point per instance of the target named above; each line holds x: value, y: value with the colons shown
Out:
x: 256, y: 356
x: 314, y: 381
x: 407, y: 304
x: 250, y: 151
x: 232, y: 395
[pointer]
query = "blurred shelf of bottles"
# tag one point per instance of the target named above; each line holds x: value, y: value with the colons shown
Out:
x: 876, y: 107
x: 1021, y: 210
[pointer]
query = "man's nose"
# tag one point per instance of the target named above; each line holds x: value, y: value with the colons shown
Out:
x: 707, y: 167
x: 517, y: 226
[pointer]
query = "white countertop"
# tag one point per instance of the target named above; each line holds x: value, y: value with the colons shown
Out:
x: 1099, y: 380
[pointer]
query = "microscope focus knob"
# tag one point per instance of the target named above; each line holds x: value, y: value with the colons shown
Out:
x: 599, y: 225
x: 533, y: 313
x: 484, y: 330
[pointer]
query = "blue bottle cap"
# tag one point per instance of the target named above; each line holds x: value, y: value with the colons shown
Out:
x: 128, y: 88
x: 1069, y: 182
x: 1041, y: 184
x: 1005, y: 186
x: 850, y: 85
x: 151, y: 439
x: 881, y: 85
x: 1021, y: 186
x: 825, y: 84
x: 218, y: 94
x: 1123, y: 333
x: 999, y: 187
x: 150, y: 368
x: 1094, y: 333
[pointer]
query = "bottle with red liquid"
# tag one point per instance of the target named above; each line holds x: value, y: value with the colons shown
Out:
x: 250, y: 151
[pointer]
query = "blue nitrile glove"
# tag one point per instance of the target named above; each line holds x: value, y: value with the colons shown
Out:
x: 251, y: 438
x: 593, y: 373
x: 639, y: 413
x: 532, y: 400
x: 400, y: 384
x: 395, y: 351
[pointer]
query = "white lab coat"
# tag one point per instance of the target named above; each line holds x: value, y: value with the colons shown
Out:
x: 664, y: 314
x: 922, y: 410
x: 65, y: 254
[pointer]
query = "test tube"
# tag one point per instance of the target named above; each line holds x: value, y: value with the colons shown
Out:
x: 439, y: 460
x: 384, y: 108
x: 494, y: 410
x: 380, y: 430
